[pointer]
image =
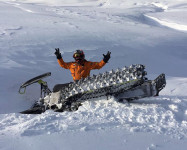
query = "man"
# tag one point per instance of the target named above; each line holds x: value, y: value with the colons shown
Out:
x: 80, y: 68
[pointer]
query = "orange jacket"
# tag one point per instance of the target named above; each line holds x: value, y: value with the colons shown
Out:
x: 80, y: 71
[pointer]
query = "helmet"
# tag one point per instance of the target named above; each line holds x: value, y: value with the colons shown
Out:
x: 78, y: 55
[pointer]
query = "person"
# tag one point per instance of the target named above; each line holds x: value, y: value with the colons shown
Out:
x: 80, y: 68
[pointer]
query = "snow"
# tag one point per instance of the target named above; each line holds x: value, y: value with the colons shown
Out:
x: 146, y: 32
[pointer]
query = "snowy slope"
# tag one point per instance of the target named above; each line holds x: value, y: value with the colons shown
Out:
x: 152, y: 33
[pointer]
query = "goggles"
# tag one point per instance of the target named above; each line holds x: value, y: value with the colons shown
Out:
x: 77, y: 55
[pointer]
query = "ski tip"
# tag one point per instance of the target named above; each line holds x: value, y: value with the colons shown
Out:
x: 36, y: 110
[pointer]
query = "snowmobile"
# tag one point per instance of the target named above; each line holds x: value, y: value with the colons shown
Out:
x: 129, y: 83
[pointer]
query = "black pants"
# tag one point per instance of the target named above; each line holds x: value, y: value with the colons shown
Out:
x: 58, y: 87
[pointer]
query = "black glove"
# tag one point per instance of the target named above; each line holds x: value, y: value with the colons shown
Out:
x: 106, y: 57
x: 57, y: 53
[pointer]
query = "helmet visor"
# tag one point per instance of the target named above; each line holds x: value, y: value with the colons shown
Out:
x: 76, y: 55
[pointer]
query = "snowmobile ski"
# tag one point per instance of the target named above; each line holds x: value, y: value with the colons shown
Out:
x: 34, y: 110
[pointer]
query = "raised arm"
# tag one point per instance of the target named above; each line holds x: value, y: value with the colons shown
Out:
x: 96, y: 65
x: 60, y: 60
x: 99, y: 65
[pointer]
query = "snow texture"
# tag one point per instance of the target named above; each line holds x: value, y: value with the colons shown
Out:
x: 153, y: 33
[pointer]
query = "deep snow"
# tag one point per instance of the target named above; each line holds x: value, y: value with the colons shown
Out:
x: 152, y: 33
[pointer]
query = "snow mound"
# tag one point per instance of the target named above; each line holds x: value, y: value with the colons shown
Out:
x: 169, y: 24
x: 162, y: 115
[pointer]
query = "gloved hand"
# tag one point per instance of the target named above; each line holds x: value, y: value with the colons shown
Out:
x: 57, y: 53
x: 106, y: 57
